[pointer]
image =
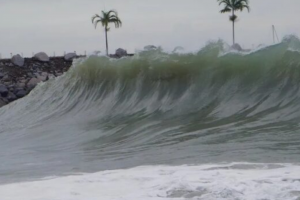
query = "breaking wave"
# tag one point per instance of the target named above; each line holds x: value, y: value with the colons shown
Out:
x: 157, y: 108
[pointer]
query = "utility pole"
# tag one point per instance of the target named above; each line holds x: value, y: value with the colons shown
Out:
x: 274, y: 34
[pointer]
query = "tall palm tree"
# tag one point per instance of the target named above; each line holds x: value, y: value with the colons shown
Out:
x: 232, y: 6
x: 105, y: 19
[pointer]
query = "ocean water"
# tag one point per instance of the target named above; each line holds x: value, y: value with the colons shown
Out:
x: 211, y: 125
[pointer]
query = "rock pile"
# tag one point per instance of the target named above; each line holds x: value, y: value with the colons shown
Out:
x: 18, y: 76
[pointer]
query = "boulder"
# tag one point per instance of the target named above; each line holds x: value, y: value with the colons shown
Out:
x: 70, y: 56
x: 51, y: 76
x: 1, y: 75
x: 150, y: 48
x: 11, y: 87
x: 31, y: 75
x: 3, y: 90
x: 42, y: 78
x: 121, y: 52
x: 21, y: 93
x: 11, y: 97
x: 43, y: 57
x: 22, y: 80
x: 18, y: 60
x: 237, y: 47
x: 6, y: 78
x: 20, y: 85
x: 2, y: 103
x: 33, y: 82
x: 44, y: 74
x: 7, y: 83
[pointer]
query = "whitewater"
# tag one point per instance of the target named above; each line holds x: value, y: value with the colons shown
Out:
x: 210, y: 125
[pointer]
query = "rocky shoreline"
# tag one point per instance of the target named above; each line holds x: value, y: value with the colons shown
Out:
x: 18, y: 76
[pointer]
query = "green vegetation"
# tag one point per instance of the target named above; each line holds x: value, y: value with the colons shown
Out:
x: 232, y: 6
x: 107, y: 18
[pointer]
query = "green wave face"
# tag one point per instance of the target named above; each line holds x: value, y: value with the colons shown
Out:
x: 191, y: 82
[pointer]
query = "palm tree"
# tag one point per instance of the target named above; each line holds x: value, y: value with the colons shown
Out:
x: 107, y: 18
x: 232, y: 6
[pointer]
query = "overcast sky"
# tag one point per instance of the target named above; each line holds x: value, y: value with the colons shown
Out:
x: 65, y: 25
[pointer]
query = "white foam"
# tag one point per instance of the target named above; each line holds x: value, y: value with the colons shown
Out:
x: 236, y: 181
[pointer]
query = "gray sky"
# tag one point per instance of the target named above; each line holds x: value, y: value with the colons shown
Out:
x: 65, y: 25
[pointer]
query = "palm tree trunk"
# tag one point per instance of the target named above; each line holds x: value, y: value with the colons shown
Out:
x: 106, y: 41
x: 233, y: 35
